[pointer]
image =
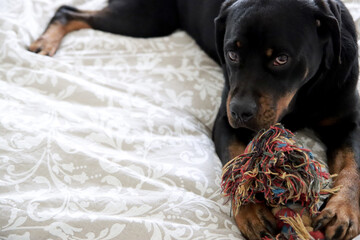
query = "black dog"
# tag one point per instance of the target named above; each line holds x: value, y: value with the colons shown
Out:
x: 293, y: 61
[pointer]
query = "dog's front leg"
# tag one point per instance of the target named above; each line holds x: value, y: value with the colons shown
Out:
x: 340, y: 217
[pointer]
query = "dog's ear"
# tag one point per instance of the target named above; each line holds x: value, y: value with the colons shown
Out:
x: 220, y: 27
x: 328, y: 20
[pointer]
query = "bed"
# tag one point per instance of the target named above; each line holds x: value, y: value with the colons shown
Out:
x: 111, y: 137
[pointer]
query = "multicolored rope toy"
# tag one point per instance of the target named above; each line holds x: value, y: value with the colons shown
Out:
x: 287, y: 178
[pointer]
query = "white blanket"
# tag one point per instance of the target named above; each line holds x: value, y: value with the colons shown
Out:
x: 111, y: 137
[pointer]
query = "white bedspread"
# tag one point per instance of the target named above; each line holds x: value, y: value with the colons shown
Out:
x: 110, y: 138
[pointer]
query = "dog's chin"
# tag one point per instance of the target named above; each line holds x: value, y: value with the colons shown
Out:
x: 251, y: 125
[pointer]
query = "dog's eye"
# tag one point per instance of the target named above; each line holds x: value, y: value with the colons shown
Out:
x: 233, y: 56
x: 281, y: 60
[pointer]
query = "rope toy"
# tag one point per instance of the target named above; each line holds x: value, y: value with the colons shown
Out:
x: 274, y: 170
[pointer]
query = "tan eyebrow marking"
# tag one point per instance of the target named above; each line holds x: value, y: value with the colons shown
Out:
x: 269, y: 52
x: 238, y: 44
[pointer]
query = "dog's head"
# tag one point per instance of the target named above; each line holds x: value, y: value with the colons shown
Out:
x: 269, y: 50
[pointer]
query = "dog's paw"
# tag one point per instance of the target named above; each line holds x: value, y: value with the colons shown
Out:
x: 339, y: 219
x: 45, y: 45
x: 255, y: 221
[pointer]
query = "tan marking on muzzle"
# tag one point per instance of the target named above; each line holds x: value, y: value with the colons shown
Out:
x: 236, y: 148
x: 266, y: 114
x: 283, y: 104
x: 270, y: 111
x: 228, y: 108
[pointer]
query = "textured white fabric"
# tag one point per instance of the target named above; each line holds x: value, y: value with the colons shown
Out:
x: 110, y: 138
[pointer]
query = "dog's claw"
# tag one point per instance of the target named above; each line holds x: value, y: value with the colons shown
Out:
x: 255, y: 221
x: 339, y: 219
x: 318, y: 226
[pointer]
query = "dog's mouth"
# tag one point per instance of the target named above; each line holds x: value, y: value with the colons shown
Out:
x: 256, y: 124
x: 269, y: 112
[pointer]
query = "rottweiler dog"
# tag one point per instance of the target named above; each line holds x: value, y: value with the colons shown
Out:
x: 289, y: 61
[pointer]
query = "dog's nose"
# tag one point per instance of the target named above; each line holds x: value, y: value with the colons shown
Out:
x: 242, y: 110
